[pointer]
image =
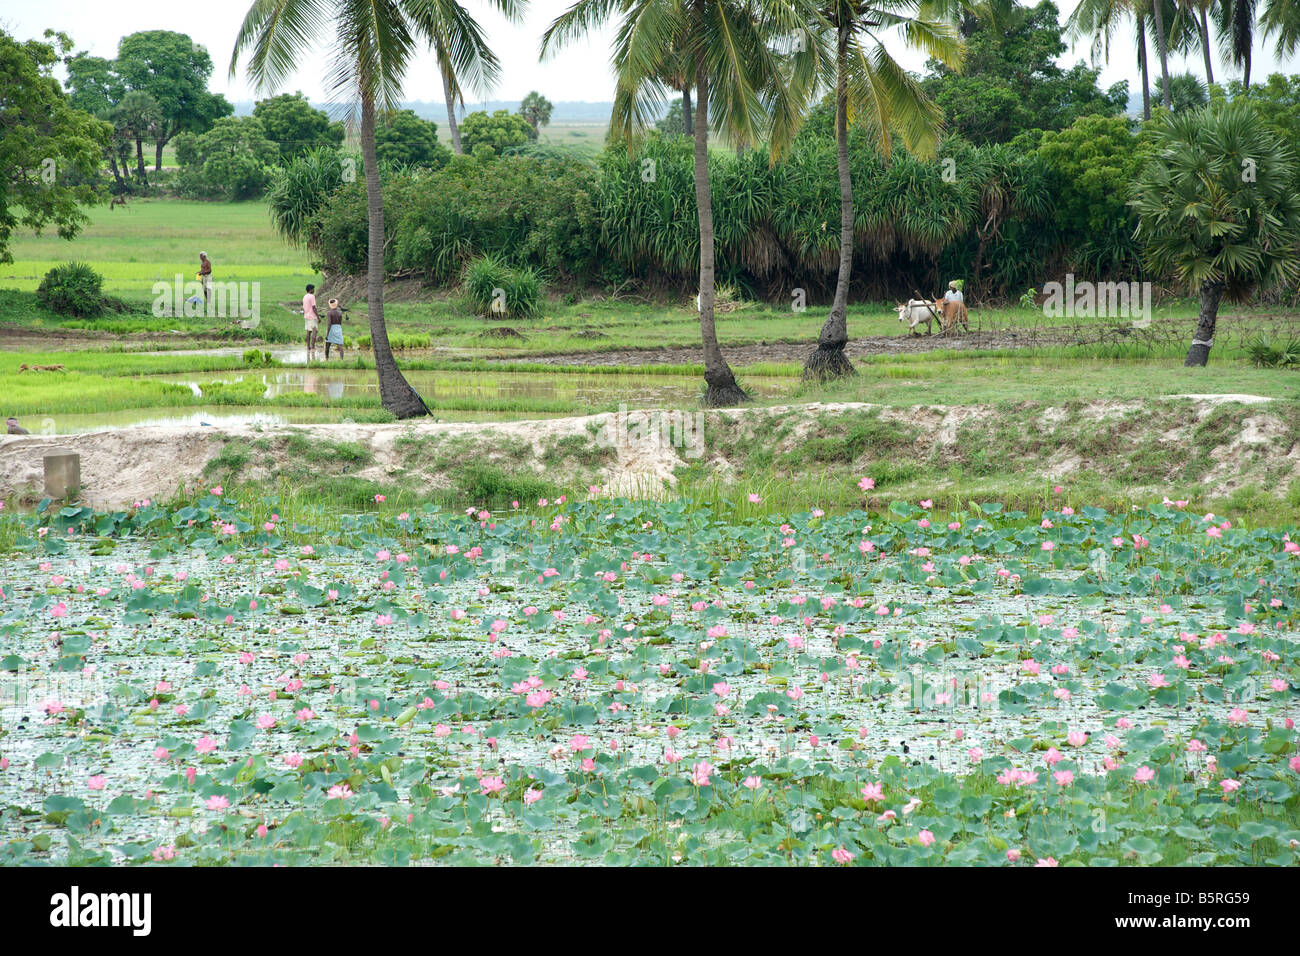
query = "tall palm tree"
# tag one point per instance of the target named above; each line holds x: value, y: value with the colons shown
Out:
x: 374, y: 41
x: 1237, y: 34
x: 465, y: 61
x: 870, y: 82
x: 1197, y: 14
x: 1098, y: 20
x: 751, y: 89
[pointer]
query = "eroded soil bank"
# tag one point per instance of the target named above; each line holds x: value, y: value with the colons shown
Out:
x: 1207, y: 445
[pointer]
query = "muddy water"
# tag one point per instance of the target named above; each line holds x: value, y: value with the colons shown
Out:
x: 478, y: 396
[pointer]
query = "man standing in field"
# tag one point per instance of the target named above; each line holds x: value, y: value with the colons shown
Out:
x: 310, y: 319
x: 334, y: 335
x: 205, y: 277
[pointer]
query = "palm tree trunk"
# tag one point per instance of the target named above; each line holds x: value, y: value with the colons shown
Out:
x: 394, y: 392
x: 1157, y: 13
x: 686, y: 111
x: 829, y: 360
x: 1204, y: 29
x: 1142, y: 62
x: 722, y: 390
x: 139, y: 161
x: 451, y: 115
x: 157, y: 155
x: 1199, y: 353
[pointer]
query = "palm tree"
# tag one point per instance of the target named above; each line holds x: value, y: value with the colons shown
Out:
x: 870, y: 82
x: 1218, y: 206
x: 751, y: 88
x: 1282, y: 17
x: 1237, y: 34
x: 464, y: 59
x: 1197, y: 12
x: 375, y: 40
x: 1099, y: 19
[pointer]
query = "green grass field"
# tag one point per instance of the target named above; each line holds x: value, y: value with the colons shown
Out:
x: 153, y: 240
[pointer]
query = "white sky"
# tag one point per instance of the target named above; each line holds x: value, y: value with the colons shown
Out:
x: 580, y: 72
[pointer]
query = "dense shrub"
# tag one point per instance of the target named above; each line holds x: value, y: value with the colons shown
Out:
x: 73, y: 288
x: 533, y: 212
x: 498, y: 291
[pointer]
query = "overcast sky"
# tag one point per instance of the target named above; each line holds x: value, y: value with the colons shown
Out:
x: 580, y: 72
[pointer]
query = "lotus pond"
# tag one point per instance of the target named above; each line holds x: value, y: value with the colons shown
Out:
x: 621, y: 681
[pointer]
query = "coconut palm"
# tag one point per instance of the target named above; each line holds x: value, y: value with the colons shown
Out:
x: 869, y: 82
x: 1281, y: 18
x: 1098, y: 20
x: 374, y: 41
x: 1197, y: 13
x: 1218, y: 207
x: 750, y: 88
x: 1237, y: 34
x: 465, y: 61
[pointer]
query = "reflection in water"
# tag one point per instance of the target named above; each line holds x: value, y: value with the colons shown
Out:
x: 465, y: 396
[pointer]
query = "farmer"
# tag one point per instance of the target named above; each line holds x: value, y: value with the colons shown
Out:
x: 311, y: 320
x: 334, y: 336
x: 205, y: 276
x: 954, y: 293
x: 14, y: 428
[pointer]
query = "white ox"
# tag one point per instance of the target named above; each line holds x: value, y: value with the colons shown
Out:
x: 915, y: 312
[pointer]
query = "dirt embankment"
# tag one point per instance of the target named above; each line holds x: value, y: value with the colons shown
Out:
x: 1217, y: 443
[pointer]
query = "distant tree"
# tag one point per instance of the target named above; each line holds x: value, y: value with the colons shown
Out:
x: 673, y: 123
x: 93, y: 84
x: 1186, y: 92
x: 500, y: 130
x: 43, y: 137
x: 174, y: 70
x: 536, y: 109
x: 1011, y: 82
x: 295, y: 126
x: 1219, y: 207
x: 139, y: 118
x: 232, y: 160
x: 402, y: 137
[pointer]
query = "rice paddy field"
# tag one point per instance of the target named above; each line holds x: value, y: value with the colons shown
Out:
x: 1026, y: 598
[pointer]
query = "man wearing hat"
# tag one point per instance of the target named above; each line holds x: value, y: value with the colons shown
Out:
x: 334, y: 336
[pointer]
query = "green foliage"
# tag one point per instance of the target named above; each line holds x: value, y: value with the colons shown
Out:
x: 174, y: 70
x: 1186, y: 92
x: 303, y: 186
x: 498, y: 291
x: 1279, y: 354
x: 73, y: 288
x: 533, y: 211
x: 1011, y: 81
x: 231, y: 161
x: 500, y: 130
x: 290, y: 122
x: 43, y: 139
x: 1093, y: 164
x: 1219, y: 202
x: 403, y: 139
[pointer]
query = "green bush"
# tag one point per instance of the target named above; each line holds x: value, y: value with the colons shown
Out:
x: 498, y: 291
x: 73, y: 288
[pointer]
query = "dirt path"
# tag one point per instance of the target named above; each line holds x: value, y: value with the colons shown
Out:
x: 739, y: 355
